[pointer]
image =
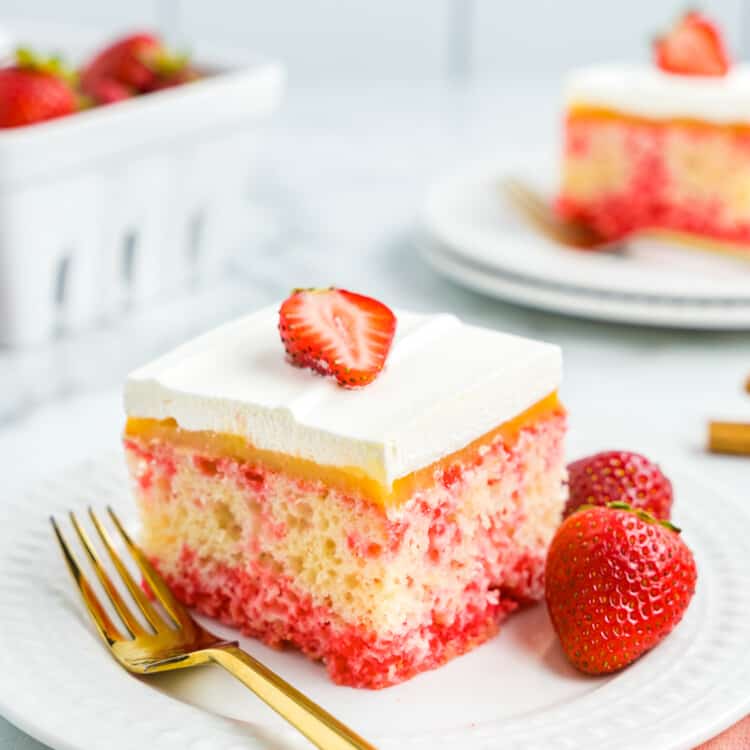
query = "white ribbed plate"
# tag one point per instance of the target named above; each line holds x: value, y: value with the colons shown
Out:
x: 58, y: 683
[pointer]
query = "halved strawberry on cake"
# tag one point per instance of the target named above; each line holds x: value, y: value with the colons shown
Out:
x: 383, y: 528
x: 662, y: 147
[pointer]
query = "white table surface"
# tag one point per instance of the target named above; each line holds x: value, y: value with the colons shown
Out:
x: 344, y: 173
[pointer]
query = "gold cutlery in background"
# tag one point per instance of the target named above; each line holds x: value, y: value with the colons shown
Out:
x: 542, y: 215
x: 730, y: 437
x: 539, y: 211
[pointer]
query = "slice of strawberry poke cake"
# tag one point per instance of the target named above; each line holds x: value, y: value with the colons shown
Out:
x: 662, y: 147
x: 382, y: 518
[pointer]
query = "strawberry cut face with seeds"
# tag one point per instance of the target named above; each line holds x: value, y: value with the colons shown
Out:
x: 336, y: 332
x: 694, y: 46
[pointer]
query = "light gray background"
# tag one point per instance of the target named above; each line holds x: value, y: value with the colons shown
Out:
x: 329, y: 42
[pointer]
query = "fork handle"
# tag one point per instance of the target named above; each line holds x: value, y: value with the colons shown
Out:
x: 322, y: 729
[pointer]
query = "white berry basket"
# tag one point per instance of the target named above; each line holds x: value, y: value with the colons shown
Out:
x: 109, y: 208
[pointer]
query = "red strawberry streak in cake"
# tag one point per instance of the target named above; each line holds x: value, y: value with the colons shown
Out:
x: 267, y: 606
x: 158, y: 463
x: 265, y: 603
x: 645, y: 202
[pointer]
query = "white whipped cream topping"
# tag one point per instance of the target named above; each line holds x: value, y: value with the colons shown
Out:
x: 649, y: 92
x: 444, y: 384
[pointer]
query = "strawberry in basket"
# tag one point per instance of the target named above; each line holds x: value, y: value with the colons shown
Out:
x: 35, y: 89
x: 133, y: 65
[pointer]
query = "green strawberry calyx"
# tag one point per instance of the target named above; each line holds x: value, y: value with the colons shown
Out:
x: 312, y: 289
x: 54, y: 65
x: 644, y: 515
x: 165, y: 62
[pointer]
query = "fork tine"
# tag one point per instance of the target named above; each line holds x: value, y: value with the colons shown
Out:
x: 107, y: 629
x: 528, y: 202
x: 520, y: 199
x: 538, y: 211
x: 154, y: 618
x: 517, y: 189
x: 122, y: 609
x: 539, y: 215
x: 154, y: 580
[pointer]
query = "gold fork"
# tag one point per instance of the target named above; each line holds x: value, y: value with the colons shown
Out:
x: 181, y: 642
x: 537, y: 209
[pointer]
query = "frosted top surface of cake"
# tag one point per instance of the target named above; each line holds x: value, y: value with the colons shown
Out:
x: 445, y: 384
x: 649, y: 92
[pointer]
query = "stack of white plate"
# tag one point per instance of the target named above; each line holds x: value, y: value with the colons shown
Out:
x: 474, y: 237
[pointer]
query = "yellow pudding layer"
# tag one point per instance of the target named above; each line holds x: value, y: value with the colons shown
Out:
x: 592, y: 112
x: 346, y: 479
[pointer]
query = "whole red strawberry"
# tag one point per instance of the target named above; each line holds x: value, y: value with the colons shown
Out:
x: 33, y: 90
x: 616, y: 582
x: 622, y: 476
x: 336, y: 332
x: 694, y: 46
x: 133, y: 65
